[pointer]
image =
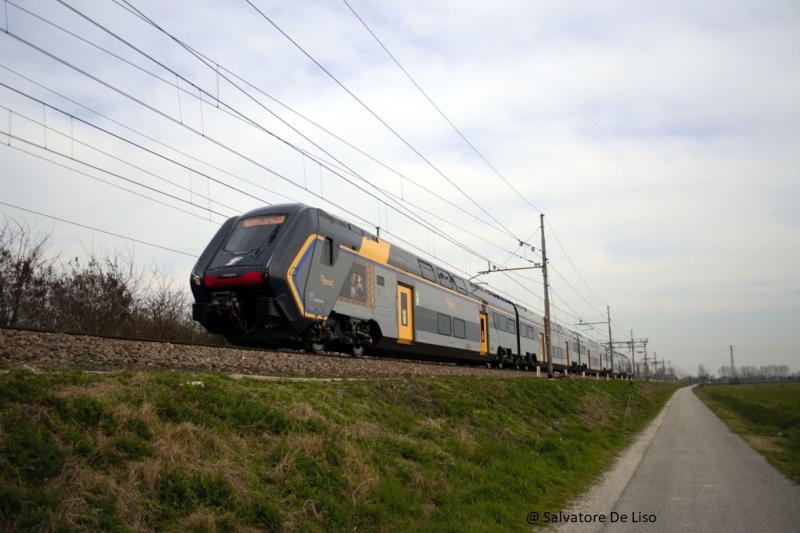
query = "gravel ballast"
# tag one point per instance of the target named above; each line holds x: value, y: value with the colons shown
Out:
x: 22, y: 348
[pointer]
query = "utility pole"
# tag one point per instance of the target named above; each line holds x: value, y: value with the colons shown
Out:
x: 610, y: 342
x: 633, y: 357
x: 546, y: 303
x: 543, y: 265
x: 733, y: 378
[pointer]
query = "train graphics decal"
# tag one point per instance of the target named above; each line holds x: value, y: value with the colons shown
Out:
x: 359, y: 285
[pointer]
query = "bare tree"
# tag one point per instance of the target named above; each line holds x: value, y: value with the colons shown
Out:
x: 98, y: 296
x: 25, y: 274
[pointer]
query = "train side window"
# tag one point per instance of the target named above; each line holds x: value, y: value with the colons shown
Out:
x: 444, y: 324
x: 512, y: 326
x: 495, y: 320
x: 459, y: 328
x: 530, y: 332
x: 427, y: 271
x: 460, y: 286
x: 444, y: 279
x: 503, y: 323
x: 326, y: 258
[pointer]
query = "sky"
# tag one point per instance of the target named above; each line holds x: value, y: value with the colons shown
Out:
x: 661, y: 140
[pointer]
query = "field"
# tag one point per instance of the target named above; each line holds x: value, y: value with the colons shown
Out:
x: 167, y: 451
x: 766, y: 415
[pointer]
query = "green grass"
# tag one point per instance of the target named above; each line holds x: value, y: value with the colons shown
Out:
x: 147, y: 451
x: 766, y: 415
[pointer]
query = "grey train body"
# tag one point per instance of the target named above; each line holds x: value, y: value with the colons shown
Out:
x: 294, y: 275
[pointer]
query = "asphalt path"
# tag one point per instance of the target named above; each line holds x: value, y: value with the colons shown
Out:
x: 697, y: 475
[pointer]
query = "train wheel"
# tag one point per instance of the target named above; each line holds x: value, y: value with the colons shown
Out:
x: 316, y: 347
x: 488, y: 364
x: 357, y: 350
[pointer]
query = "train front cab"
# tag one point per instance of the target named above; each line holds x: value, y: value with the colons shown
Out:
x: 240, y: 282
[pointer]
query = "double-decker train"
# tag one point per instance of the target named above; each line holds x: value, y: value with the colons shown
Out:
x: 294, y: 275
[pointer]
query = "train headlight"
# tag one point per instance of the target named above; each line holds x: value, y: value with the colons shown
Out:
x: 197, y: 280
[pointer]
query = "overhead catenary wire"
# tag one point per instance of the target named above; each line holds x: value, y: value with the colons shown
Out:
x: 212, y: 64
x: 182, y: 165
x: 574, y: 267
x: 168, y: 117
x: 98, y: 229
x: 497, y: 172
x: 365, y: 106
x: 119, y: 176
x: 469, y: 251
x: 209, y: 62
x: 140, y: 147
x: 247, y: 119
x: 105, y: 153
x: 137, y: 132
x: 200, y: 91
x: 472, y: 146
x: 164, y: 115
x: 109, y: 183
x: 180, y: 122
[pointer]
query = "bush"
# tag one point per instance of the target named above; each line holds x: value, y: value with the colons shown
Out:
x: 103, y: 293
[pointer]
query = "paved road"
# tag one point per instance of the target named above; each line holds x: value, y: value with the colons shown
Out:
x: 698, y: 476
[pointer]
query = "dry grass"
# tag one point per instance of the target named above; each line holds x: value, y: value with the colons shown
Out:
x: 283, y: 467
x: 762, y: 443
x: 98, y: 390
x: 310, y: 444
x: 597, y: 412
x: 434, y: 424
x: 420, y: 482
x: 201, y: 520
x: 177, y: 444
x: 83, y: 482
x: 303, y: 411
x: 466, y: 438
x: 356, y: 469
x: 364, y: 430
x: 145, y: 473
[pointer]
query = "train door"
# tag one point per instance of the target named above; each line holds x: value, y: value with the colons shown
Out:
x: 484, y: 320
x: 541, y: 349
x: 405, y: 314
x: 566, y: 350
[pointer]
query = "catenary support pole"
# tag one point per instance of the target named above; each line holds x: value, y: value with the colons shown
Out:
x: 610, y: 341
x: 546, y: 304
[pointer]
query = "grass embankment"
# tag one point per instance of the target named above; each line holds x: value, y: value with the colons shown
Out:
x: 138, y: 451
x: 766, y: 415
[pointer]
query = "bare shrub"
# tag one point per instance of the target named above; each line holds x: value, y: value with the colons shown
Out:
x: 102, y: 293
x: 26, y: 273
x: 98, y: 296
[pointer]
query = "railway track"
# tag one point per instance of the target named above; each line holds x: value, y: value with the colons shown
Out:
x: 44, y: 348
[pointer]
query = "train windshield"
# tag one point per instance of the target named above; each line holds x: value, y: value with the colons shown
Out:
x: 253, y: 233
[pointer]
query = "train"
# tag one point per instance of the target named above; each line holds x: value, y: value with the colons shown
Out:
x: 293, y: 275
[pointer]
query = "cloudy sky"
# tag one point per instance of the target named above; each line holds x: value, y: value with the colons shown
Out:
x: 660, y: 139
